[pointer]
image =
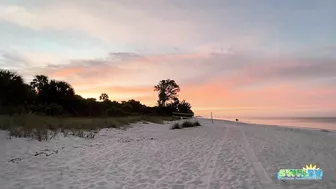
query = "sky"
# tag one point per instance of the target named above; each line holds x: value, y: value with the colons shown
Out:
x: 231, y: 57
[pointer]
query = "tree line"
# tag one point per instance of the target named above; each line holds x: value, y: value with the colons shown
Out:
x: 45, y: 96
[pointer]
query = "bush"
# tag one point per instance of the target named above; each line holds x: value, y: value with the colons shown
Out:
x: 176, y: 126
x: 39, y: 134
x: 325, y: 130
x: 185, y: 124
x: 54, y: 110
x: 197, y: 123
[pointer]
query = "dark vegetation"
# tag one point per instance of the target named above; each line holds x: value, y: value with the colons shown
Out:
x: 325, y: 130
x: 44, y: 106
x: 185, y: 124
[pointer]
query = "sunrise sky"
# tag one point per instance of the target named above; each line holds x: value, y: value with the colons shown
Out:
x: 231, y: 57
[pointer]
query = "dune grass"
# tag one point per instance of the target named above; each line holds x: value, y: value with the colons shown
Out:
x: 176, y: 126
x: 185, y: 124
x: 45, y: 128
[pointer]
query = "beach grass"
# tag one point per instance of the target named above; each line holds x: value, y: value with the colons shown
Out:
x: 176, y: 126
x: 45, y: 128
x: 185, y: 124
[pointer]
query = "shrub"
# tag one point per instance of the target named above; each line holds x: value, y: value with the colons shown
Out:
x: 41, y: 134
x: 197, y: 123
x: 176, y: 126
x: 186, y: 124
x: 54, y: 110
x: 324, y: 130
x: 15, y: 132
x: 65, y: 132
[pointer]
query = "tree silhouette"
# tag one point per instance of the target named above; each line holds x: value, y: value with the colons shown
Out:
x: 40, y: 82
x: 91, y: 102
x: 50, y: 97
x: 127, y: 107
x: 12, y: 87
x: 60, y: 89
x: 136, y: 105
x: 184, y: 107
x: 41, y: 85
x: 104, y: 97
x: 167, y: 90
x: 58, y: 92
x: 64, y: 89
x: 61, y: 93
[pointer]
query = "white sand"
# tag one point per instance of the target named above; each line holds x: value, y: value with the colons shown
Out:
x: 223, y: 155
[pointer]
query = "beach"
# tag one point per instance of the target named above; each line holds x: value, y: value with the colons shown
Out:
x: 218, y: 155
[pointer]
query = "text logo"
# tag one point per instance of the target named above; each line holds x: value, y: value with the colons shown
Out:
x: 309, y: 172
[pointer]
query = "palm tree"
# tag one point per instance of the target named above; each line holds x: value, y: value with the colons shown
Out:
x: 60, y: 92
x: 40, y: 82
x: 167, y: 90
x: 12, y: 87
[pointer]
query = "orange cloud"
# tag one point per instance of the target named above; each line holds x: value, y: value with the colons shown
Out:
x: 144, y: 94
x: 67, y: 72
x: 119, y: 90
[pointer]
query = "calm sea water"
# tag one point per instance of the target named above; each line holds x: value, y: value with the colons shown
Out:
x: 302, y: 122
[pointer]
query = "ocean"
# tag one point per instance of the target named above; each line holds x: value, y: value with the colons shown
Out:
x: 328, y: 123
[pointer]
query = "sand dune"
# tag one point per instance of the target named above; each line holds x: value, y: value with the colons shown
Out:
x: 223, y: 155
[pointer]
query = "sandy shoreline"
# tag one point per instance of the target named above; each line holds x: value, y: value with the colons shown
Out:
x: 224, y: 154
